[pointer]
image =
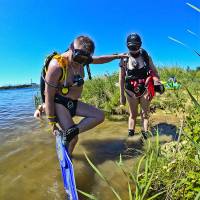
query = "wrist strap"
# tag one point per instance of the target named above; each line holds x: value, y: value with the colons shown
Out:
x: 52, y: 123
x: 51, y: 117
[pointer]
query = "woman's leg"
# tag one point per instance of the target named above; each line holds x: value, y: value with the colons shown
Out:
x: 65, y: 122
x: 145, y: 105
x: 133, y: 109
x: 92, y: 116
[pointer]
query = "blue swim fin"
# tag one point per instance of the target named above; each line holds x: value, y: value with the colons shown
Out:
x: 66, y: 169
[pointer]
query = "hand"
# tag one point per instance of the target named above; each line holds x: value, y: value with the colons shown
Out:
x: 122, y: 100
x: 149, y: 96
x: 156, y: 79
x: 39, y: 111
x: 122, y: 55
x: 123, y: 62
x: 37, y: 114
x: 54, y: 129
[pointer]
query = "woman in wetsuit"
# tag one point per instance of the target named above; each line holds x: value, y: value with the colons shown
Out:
x: 136, y: 78
x: 63, y: 88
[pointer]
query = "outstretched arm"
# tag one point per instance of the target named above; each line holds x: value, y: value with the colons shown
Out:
x: 107, y: 58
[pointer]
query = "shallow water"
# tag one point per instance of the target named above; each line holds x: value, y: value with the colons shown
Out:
x: 29, y: 165
x: 29, y: 168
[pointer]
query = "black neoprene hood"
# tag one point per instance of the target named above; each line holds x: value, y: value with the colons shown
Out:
x: 133, y: 39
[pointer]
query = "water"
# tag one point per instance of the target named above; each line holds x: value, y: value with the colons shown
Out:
x: 16, y: 111
x: 29, y: 168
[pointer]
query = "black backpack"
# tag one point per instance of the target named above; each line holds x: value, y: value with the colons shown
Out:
x: 145, y: 56
x: 43, y: 74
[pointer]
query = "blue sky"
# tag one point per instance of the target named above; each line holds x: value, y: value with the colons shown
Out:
x: 29, y: 30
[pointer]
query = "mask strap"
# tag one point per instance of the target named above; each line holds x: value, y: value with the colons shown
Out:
x: 89, y: 72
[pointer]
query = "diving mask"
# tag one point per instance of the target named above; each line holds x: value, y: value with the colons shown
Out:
x: 82, y: 57
x: 134, y: 46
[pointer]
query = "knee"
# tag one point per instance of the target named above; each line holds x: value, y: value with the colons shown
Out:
x: 144, y: 115
x: 133, y: 116
x: 76, y: 139
x: 100, y: 117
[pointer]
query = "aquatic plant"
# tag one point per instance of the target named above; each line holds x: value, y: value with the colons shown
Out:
x: 37, y: 100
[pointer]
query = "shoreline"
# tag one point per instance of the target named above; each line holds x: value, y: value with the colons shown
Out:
x: 33, y: 85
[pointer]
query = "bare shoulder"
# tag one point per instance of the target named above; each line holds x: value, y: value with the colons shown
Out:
x: 54, y: 70
x: 54, y: 65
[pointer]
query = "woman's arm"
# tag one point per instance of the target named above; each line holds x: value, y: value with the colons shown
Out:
x: 107, y: 58
x: 122, y: 74
x: 51, y: 80
x: 153, y: 67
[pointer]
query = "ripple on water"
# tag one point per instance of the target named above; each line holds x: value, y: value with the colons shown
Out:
x: 16, y: 106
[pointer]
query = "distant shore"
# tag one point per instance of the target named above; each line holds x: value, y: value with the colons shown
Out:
x: 33, y: 85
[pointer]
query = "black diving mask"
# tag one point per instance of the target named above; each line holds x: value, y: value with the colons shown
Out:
x: 133, y: 46
x: 82, y: 57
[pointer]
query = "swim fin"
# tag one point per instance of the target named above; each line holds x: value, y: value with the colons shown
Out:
x: 66, y: 168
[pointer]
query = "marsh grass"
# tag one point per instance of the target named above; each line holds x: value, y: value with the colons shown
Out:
x: 37, y: 100
x: 170, y: 171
